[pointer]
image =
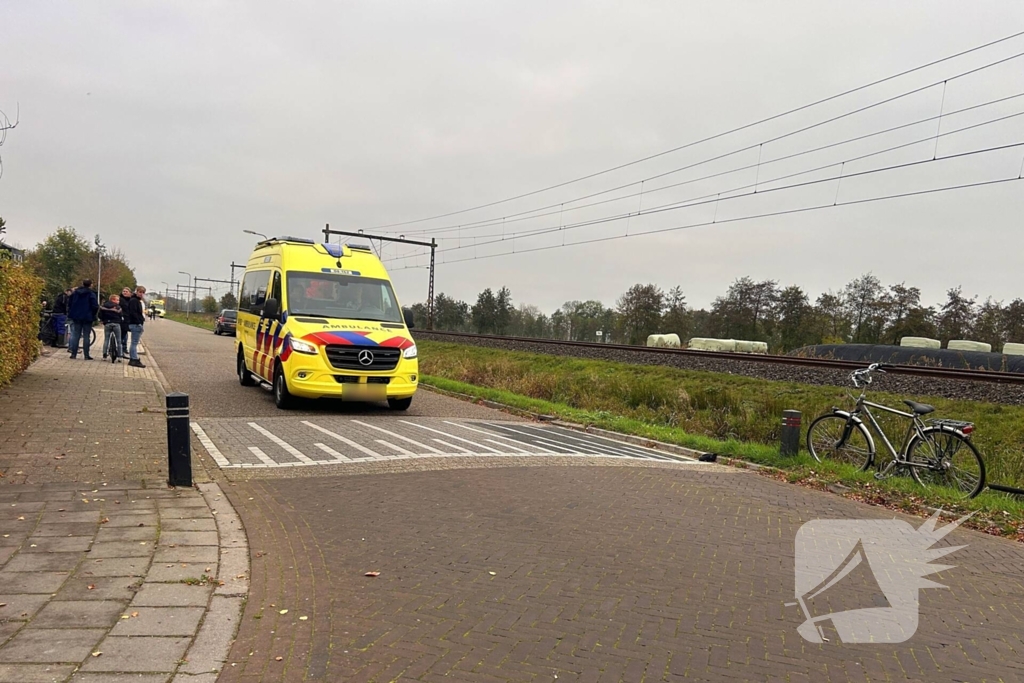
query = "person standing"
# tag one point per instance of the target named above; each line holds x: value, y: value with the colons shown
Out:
x: 126, y: 295
x: 82, y: 308
x: 110, y: 316
x: 60, y: 317
x: 136, y: 319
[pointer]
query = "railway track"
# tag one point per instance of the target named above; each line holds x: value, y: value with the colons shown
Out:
x: 670, y: 355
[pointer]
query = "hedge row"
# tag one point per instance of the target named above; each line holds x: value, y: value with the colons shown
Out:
x: 19, y: 318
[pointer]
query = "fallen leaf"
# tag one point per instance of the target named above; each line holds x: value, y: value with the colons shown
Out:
x: 33, y: 545
x: 85, y: 500
x: 372, y: 574
x: 58, y: 457
x: 125, y: 616
x: 135, y: 614
x: 3, y: 604
x: 104, y: 520
x: 208, y: 569
x: 96, y: 654
x: 278, y: 659
x: 493, y: 573
x: 240, y: 576
x: 284, y: 611
x: 303, y: 618
x: 140, y: 523
x: 91, y: 586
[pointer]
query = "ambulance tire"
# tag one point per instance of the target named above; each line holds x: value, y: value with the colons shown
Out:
x: 245, y: 377
x: 283, y: 398
x: 400, y: 403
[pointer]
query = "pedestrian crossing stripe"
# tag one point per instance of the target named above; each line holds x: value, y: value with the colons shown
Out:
x: 303, y: 443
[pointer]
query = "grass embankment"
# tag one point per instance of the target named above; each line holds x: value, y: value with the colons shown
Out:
x: 202, y: 320
x: 725, y: 414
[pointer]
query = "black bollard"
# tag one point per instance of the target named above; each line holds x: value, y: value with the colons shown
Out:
x: 790, y: 432
x: 179, y: 442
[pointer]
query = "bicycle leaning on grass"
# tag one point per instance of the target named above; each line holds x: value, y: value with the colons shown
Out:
x: 938, y: 453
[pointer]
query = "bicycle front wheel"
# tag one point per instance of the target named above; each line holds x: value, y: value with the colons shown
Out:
x: 837, y: 438
x: 946, y: 459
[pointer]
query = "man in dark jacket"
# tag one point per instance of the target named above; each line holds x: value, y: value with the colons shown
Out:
x: 60, y: 317
x: 136, y: 319
x: 82, y: 308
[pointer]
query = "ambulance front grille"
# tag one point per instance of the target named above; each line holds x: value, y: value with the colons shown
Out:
x: 347, y: 357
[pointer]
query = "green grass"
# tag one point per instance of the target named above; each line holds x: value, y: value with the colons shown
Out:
x: 725, y: 414
x: 201, y: 320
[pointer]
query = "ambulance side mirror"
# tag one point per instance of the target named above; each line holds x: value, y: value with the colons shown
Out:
x: 271, y: 308
x: 409, y: 318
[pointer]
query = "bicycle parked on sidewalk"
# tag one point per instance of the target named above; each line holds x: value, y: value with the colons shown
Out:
x: 938, y: 453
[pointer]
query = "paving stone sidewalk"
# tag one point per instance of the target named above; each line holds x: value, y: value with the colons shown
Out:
x: 107, y: 574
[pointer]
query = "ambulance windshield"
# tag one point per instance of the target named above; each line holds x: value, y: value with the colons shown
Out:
x: 332, y: 295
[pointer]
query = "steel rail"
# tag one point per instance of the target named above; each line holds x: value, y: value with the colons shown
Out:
x: 827, y: 363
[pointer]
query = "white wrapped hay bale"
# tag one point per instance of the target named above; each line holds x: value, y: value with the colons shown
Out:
x: 707, y: 344
x: 1011, y: 349
x: 664, y: 341
x: 967, y: 345
x: 745, y: 346
x: 921, y: 343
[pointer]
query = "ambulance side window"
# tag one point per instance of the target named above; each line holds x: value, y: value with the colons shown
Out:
x: 254, y: 291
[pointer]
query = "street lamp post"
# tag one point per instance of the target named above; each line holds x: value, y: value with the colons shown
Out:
x: 189, y: 307
x: 253, y: 232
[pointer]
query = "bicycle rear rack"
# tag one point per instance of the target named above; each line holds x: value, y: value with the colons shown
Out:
x: 964, y: 427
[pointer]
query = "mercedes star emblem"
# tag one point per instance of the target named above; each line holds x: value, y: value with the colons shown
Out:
x: 365, y: 358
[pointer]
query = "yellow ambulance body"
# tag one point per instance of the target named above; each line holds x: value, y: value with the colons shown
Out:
x: 322, y: 321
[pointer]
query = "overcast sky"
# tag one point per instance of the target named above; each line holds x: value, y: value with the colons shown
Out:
x: 168, y: 128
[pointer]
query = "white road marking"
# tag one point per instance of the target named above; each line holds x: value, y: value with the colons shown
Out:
x: 615, y: 446
x: 499, y: 436
x: 214, y: 452
x: 453, y: 446
x: 399, y: 436
x: 264, y: 458
x: 339, y: 437
x: 451, y: 436
x: 330, y: 451
x: 395, y: 448
x: 517, y: 449
x: 552, y: 443
x: 288, y: 448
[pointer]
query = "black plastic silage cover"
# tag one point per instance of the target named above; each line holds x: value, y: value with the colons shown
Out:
x: 899, y: 355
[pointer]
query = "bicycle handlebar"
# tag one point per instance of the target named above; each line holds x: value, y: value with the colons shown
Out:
x: 864, y: 375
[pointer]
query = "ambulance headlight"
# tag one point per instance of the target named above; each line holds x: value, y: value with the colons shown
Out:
x: 303, y: 347
x: 410, y: 352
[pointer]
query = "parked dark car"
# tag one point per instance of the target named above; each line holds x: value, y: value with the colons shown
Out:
x: 226, y: 322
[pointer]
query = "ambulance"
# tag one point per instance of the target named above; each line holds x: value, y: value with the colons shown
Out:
x: 322, y: 321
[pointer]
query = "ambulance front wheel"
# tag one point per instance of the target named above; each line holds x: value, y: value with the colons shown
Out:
x: 400, y: 403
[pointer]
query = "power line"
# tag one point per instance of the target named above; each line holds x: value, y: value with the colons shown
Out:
x: 948, y: 188
x: 697, y: 201
x: 703, y: 140
x: 514, y: 219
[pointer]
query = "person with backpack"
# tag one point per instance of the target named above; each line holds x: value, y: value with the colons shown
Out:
x: 82, y: 308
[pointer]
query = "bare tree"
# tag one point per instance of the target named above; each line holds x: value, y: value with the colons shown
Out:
x: 6, y: 125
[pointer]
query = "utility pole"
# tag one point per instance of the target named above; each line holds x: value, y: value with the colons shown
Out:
x: 206, y: 279
x: 233, y: 266
x: 432, y: 244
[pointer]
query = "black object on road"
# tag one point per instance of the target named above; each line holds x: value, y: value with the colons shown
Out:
x: 708, y: 457
x: 790, y: 432
x: 179, y: 444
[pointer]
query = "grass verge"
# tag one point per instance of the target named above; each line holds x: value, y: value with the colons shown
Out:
x: 201, y: 320
x: 659, y: 404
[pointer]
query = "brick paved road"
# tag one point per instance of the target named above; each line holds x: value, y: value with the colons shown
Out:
x: 599, y: 574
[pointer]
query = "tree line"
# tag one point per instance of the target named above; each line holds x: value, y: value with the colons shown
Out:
x: 864, y: 311
x: 65, y: 259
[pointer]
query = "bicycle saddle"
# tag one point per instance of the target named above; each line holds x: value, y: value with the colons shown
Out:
x: 920, y: 408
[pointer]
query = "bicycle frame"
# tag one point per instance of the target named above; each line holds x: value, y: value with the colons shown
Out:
x: 916, y: 426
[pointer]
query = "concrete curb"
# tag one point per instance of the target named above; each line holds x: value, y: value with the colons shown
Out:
x: 208, y: 652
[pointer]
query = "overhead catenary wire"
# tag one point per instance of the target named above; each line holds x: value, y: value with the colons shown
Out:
x: 771, y: 214
x: 697, y: 201
x: 707, y: 138
x: 737, y: 169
